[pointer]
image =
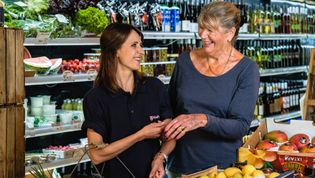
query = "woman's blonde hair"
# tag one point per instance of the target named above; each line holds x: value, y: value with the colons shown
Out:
x: 220, y: 14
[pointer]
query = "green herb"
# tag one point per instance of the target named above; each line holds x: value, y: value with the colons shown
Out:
x: 92, y: 20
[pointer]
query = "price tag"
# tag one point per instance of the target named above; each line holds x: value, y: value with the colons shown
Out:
x: 92, y: 74
x: 61, y: 18
x: 68, y: 75
x: 42, y: 37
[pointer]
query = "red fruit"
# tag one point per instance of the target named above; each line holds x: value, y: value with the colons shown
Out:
x: 276, y: 136
x: 64, y: 62
x: 300, y: 140
x: 310, y: 148
x: 288, y: 147
x: 265, y: 145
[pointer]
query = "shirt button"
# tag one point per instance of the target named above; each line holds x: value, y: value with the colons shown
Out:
x: 131, y: 111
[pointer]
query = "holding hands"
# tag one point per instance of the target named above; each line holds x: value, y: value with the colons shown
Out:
x: 153, y: 130
x: 184, y: 123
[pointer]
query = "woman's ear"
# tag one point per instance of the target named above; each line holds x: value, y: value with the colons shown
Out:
x: 231, y: 33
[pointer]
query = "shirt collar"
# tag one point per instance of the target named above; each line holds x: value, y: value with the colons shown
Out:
x: 139, y: 88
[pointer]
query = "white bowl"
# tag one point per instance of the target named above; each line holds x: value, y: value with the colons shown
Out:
x: 65, y: 117
x: 36, y: 111
x: 49, y: 109
x: 36, y: 101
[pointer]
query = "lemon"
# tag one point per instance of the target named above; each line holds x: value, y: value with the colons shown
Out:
x: 221, y: 175
x: 248, y: 169
x: 258, y: 174
x: 230, y: 171
x: 237, y: 175
x: 273, y: 175
x: 247, y: 176
x: 213, y: 174
x: 203, y: 177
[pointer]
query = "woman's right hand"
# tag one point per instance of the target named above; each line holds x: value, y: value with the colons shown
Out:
x: 153, y: 130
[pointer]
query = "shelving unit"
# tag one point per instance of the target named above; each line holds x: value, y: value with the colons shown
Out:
x: 158, y: 36
x: 58, y: 163
x: 51, y: 130
x: 278, y: 118
x: 281, y: 71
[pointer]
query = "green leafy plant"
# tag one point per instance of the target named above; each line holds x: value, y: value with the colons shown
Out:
x: 92, y: 20
x: 38, y: 172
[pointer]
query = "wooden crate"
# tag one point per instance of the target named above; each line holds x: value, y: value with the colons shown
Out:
x: 309, y: 101
x: 12, y: 144
x: 11, y: 66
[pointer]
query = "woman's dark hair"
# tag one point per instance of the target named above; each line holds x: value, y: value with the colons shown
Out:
x: 111, y: 40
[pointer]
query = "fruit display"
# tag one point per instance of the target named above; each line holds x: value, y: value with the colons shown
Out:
x: 247, y: 171
x: 281, y: 147
x: 77, y: 66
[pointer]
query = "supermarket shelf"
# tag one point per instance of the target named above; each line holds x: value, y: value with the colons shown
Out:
x: 247, y: 36
x: 281, y: 36
x: 59, y: 163
x: 285, y: 70
x: 62, y: 42
x: 285, y: 117
x: 158, y: 63
x: 44, y: 131
x: 57, y: 79
x: 278, y: 118
x: 155, y: 35
x: 311, y: 36
x: 168, y: 35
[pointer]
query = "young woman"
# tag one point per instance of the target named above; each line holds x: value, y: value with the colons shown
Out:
x: 125, y: 110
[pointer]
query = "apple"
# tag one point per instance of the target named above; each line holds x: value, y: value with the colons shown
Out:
x: 288, y: 147
x: 265, y: 145
x: 300, y: 140
x: 276, y: 136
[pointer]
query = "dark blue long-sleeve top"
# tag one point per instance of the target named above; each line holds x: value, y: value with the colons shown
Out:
x: 228, y: 100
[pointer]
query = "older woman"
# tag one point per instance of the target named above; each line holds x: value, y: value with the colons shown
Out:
x: 213, y: 91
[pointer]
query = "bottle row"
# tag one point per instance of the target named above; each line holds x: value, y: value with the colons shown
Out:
x: 279, y: 97
x: 181, y: 15
x: 274, y: 53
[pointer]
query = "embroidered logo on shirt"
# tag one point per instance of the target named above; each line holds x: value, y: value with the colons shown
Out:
x: 154, y: 118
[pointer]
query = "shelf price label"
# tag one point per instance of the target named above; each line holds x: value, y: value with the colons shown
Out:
x: 91, y: 74
x: 42, y: 37
x: 68, y: 75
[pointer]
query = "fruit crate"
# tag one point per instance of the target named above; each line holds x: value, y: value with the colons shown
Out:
x: 204, y: 172
x: 281, y: 161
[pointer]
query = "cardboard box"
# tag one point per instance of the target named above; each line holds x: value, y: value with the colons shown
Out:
x: 282, y: 161
x: 201, y: 173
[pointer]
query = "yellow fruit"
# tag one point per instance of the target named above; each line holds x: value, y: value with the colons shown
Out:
x: 258, y: 174
x: 203, y: 177
x: 220, y: 175
x: 273, y: 175
x: 230, y: 171
x: 213, y: 174
x: 247, y: 176
x: 248, y: 169
x: 237, y: 175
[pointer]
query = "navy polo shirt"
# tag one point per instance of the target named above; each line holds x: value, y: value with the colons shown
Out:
x: 115, y: 116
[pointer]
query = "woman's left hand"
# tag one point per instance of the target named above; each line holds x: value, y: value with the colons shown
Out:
x: 184, y: 123
x: 157, y: 168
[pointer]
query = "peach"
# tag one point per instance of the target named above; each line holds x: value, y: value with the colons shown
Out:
x: 300, y: 140
x: 276, y: 136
